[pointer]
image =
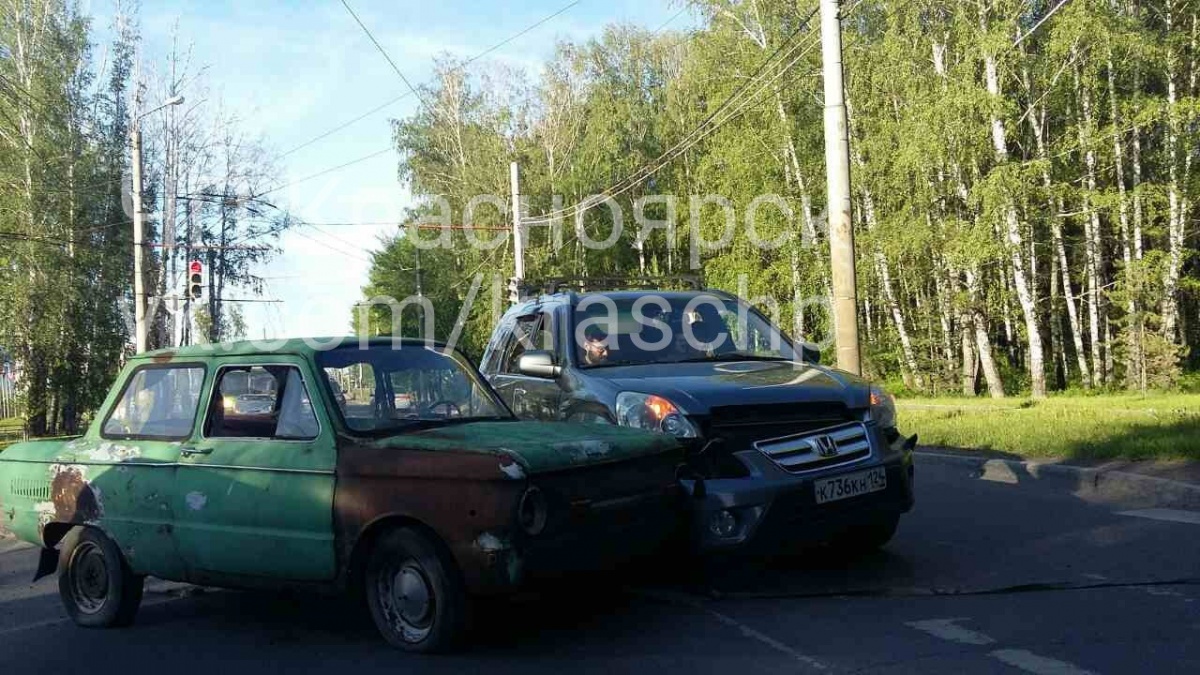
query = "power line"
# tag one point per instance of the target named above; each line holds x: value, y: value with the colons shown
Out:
x: 326, y: 134
x: 669, y: 21
x: 323, y: 172
x: 384, y: 53
x: 1038, y: 25
x: 702, y: 130
x: 332, y: 248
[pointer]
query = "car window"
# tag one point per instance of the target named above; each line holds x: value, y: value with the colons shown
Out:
x: 673, y: 330
x: 157, y: 402
x: 261, y: 402
x: 530, y: 333
x: 493, y: 356
x: 390, y: 389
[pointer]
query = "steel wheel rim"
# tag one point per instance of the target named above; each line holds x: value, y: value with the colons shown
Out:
x: 88, y: 571
x: 408, y: 600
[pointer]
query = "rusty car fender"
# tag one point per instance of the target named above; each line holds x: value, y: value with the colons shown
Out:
x: 465, y: 501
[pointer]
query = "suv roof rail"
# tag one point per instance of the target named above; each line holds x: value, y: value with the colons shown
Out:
x: 555, y: 285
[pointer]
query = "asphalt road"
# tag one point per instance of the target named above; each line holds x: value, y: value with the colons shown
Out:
x: 984, y: 577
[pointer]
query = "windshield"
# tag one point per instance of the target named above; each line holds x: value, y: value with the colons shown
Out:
x: 678, y: 329
x: 385, y: 388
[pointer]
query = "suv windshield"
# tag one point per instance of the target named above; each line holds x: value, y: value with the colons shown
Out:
x: 673, y: 329
x: 393, y: 388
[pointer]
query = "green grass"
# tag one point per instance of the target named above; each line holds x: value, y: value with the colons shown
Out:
x: 8, y: 427
x: 1075, y: 427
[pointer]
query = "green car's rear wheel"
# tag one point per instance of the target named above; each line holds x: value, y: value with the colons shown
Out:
x: 95, y: 583
x: 414, y: 593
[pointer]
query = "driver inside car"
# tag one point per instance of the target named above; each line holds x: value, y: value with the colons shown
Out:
x: 595, y: 346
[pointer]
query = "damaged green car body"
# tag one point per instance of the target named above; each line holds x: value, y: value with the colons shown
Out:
x: 242, y: 466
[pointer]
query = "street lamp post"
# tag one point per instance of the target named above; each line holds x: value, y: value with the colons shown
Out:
x: 139, y: 244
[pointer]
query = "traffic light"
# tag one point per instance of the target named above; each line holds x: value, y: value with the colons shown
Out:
x: 195, y: 280
x: 514, y: 290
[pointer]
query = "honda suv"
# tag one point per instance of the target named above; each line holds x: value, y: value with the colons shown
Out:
x: 782, y: 451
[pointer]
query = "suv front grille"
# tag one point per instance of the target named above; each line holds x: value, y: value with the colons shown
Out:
x: 818, y: 450
x: 738, y: 427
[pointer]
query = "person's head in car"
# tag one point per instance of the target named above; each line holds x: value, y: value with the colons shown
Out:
x: 706, y: 328
x: 595, y: 346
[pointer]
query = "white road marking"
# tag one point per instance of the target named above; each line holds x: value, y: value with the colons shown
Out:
x: 1169, y: 515
x: 949, y: 630
x: 747, y: 631
x: 1038, y: 665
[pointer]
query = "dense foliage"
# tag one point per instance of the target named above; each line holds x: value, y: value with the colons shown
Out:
x: 1024, y: 207
x: 66, y: 241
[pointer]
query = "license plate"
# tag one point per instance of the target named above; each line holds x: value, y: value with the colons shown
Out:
x: 850, y: 485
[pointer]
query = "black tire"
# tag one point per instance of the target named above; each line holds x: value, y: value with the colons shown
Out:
x: 95, y: 583
x: 415, y: 594
x: 868, y: 538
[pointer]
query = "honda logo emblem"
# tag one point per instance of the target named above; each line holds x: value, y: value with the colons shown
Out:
x: 825, y: 446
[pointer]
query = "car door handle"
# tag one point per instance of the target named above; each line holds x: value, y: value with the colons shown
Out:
x: 188, y: 451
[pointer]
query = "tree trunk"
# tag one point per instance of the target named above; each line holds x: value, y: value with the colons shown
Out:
x: 1091, y: 233
x: 1021, y: 282
x: 1175, y: 217
x: 983, y: 344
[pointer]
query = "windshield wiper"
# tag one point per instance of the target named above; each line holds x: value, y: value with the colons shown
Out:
x: 425, y: 423
x: 735, y: 356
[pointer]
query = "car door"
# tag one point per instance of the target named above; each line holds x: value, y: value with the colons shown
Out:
x: 529, y: 397
x: 130, y: 459
x: 255, y: 484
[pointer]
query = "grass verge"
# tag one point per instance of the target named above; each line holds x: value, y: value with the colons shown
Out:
x: 1074, y: 427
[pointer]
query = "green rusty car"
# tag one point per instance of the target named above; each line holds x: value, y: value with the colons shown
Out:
x: 387, y: 467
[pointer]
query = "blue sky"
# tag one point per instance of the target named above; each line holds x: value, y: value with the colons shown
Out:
x: 293, y: 70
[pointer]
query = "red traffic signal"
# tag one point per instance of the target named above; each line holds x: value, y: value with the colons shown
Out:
x: 195, y: 280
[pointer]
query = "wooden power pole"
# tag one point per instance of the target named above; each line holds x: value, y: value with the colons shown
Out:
x: 837, y: 170
x: 514, y: 173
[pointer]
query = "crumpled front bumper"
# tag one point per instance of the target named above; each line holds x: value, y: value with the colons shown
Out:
x: 600, y: 535
x: 776, y: 510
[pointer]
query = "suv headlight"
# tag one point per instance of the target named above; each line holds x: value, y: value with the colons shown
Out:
x: 883, y: 408
x: 653, y: 413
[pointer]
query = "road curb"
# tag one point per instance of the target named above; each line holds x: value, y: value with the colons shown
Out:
x: 1125, y: 487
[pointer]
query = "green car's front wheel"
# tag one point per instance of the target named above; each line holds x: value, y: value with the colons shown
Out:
x: 415, y: 595
x: 94, y: 581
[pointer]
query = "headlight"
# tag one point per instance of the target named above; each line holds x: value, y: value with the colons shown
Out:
x: 883, y: 408
x: 653, y: 413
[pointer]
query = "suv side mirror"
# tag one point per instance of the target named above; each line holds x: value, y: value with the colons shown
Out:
x: 538, y: 364
x: 810, y: 353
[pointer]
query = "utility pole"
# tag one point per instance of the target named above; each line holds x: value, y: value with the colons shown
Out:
x: 139, y: 280
x: 514, y: 173
x: 837, y: 171
x: 139, y: 225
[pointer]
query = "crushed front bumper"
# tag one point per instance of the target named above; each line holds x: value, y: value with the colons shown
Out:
x: 776, y: 510
x: 594, y: 536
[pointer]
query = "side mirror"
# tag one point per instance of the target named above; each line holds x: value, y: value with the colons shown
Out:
x: 810, y: 353
x: 538, y: 364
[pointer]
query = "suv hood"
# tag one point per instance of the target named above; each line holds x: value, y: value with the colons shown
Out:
x: 539, y: 447
x: 697, y: 387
